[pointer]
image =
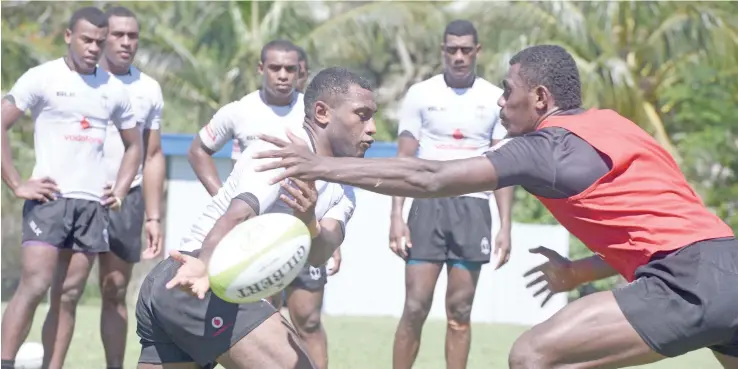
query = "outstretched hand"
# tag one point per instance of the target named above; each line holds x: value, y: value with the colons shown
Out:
x: 296, y: 158
x: 191, y: 277
x: 555, y: 275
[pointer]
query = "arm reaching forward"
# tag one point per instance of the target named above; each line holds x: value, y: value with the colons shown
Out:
x: 408, y: 177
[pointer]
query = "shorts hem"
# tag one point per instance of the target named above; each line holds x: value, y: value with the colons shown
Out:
x: 301, y: 286
x: 236, y: 337
x: 642, y: 334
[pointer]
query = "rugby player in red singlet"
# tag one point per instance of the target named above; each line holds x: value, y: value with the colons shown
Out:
x: 612, y: 186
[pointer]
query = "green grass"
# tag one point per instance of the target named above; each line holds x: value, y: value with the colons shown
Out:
x: 354, y: 343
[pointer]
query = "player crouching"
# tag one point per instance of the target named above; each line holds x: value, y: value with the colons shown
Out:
x: 191, y: 332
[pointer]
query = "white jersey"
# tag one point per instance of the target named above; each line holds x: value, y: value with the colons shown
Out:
x: 242, y: 120
x: 71, y: 112
x: 334, y: 200
x: 452, y: 123
x: 147, y: 102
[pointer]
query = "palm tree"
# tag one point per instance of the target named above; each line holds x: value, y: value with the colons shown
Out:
x: 628, y: 53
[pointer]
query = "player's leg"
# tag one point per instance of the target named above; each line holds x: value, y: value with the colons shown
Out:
x: 591, y: 332
x: 272, y: 344
x: 462, y: 285
x: 680, y: 302
x: 469, y: 224
x: 115, y: 267
x: 424, y: 264
x: 177, y: 328
x: 66, y: 290
x: 88, y: 238
x: 727, y: 361
x: 305, y: 304
x: 44, y: 232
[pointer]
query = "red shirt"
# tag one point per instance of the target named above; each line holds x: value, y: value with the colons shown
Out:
x: 642, y: 206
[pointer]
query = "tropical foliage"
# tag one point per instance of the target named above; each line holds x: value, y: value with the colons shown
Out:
x: 670, y: 66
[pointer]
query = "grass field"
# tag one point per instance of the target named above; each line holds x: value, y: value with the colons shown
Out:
x: 354, y: 343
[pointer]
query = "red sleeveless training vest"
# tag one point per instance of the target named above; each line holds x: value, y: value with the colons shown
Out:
x: 642, y: 206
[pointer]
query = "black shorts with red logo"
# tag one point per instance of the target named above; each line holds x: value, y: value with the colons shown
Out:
x: 175, y: 327
x: 686, y: 300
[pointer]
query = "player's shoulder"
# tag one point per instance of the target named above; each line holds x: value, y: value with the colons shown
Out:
x: 487, y: 86
x: 425, y: 86
x: 145, y: 79
x: 46, y: 69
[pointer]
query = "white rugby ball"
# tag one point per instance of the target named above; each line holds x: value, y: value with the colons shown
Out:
x: 259, y: 258
x: 30, y: 356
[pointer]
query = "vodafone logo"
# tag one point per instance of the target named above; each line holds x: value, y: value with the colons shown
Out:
x: 217, y: 322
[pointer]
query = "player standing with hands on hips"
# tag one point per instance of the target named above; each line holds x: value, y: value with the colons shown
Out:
x: 452, y: 115
x: 65, y: 216
x: 142, y: 206
x: 613, y: 187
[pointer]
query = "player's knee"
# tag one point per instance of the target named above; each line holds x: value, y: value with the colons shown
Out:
x: 309, y: 324
x: 70, y: 296
x: 416, y: 310
x: 33, y: 288
x: 113, y: 290
x: 525, y: 354
x: 459, y: 315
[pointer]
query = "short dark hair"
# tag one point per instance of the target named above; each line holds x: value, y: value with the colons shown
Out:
x: 281, y: 45
x: 91, y: 14
x: 329, y: 84
x: 461, y: 27
x: 553, y: 67
x: 302, y: 55
x: 120, y: 11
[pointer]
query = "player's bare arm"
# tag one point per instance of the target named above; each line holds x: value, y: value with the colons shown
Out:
x: 407, y: 146
x: 327, y: 233
x: 409, y: 177
x: 42, y: 189
x: 154, y: 170
x: 128, y: 168
x: 504, y: 198
x: 201, y: 160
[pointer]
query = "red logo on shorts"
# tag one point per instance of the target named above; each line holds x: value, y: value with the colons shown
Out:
x: 458, y: 135
x: 217, y: 322
x: 84, y: 123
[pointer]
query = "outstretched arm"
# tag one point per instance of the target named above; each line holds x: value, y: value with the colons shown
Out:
x: 409, y: 177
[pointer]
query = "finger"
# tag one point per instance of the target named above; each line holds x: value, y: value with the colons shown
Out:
x: 542, y: 290
x: 297, y: 193
x: 271, y: 154
x: 174, y: 282
x: 50, y: 186
x: 307, y: 187
x: 47, y: 194
x: 545, y: 251
x: 178, y: 256
x: 48, y: 180
x: 157, y: 246
x: 403, y: 247
x: 273, y: 140
x: 548, y: 297
x: 292, y: 203
x: 538, y: 269
x: 282, y: 176
x: 295, y: 138
x: 536, y: 281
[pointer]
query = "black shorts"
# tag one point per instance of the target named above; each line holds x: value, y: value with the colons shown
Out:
x: 454, y: 228
x: 66, y: 223
x: 126, y: 225
x: 176, y: 327
x: 686, y: 300
x: 310, y: 278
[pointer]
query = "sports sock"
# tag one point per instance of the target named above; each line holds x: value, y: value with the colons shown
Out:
x: 7, y: 364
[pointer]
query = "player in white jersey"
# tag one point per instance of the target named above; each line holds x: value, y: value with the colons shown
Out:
x: 65, y: 216
x: 143, y: 203
x: 453, y: 115
x: 176, y: 327
x: 269, y: 110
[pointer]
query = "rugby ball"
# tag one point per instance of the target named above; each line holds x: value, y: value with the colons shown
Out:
x: 259, y: 258
x: 30, y: 356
